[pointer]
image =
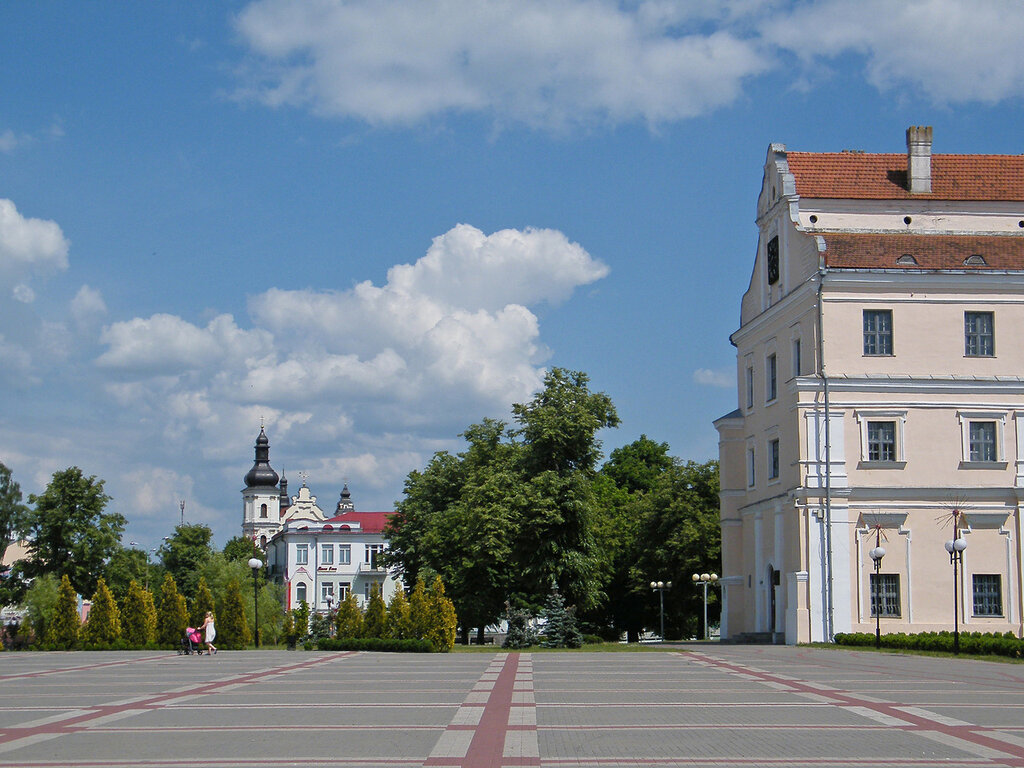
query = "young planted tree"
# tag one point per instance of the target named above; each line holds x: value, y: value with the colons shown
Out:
x: 41, y: 602
x: 103, y: 626
x: 172, y: 614
x: 271, y: 597
x: 65, y: 624
x: 419, y: 612
x: 301, y: 616
x: 561, y: 630
x: 232, y: 627
x: 397, y: 624
x: 443, y: 622
x: 202, y: 603
x: 376, y: 617
x: 348, y: 619
x: 138, y: 617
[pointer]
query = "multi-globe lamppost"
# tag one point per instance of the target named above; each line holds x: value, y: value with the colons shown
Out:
x: 877, y: 553
x: 705, y: 579
x: 660, y: 587
x: 255, y: 563
x: 955, y: 547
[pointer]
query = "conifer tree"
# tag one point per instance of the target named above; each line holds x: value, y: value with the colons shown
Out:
x: 288, y: 631
x: 419, y: 614
x: 138, y: 618
x: 64, y: 626
x: 103, y: 626
x: 203, y: 602
x: 376, y: 616
x: 172, y: 614
x: 301, y: 615
x: 232, y: 628
x: 348, y: 619
x: 561, y: 630
x: 397, y: 624
x: 442, y: 622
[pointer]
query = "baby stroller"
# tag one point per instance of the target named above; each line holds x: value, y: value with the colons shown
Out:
x: 191, y: 643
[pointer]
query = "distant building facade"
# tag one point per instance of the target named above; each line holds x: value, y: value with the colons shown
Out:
x: 880, y: 369
x: 318, y: 558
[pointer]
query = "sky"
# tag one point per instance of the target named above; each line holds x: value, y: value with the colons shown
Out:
x: 370, y: 224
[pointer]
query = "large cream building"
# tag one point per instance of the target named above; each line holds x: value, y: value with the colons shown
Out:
x: 880, y: 363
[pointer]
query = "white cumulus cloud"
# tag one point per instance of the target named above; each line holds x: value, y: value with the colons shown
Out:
x: 710, y: 378
x: 29, y: 248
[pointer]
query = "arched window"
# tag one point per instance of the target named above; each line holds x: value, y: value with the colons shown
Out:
x: 300, y: 593
x: 263, y: 542
x: 263, y: 510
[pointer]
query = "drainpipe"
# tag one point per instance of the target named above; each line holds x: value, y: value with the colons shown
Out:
x: 829, y: 607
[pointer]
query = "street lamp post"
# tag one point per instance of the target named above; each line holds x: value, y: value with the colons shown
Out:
x: 877, y: 554
x: 705, y: 580
x: 955, y: 547
x: 330, y: 618
x: 255, y: 563
x: 660, y: 587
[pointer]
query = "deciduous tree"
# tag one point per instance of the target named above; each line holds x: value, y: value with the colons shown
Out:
x: 185, y: 554
x: 14, y: 520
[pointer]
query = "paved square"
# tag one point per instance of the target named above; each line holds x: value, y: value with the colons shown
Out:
x: 701, y: 705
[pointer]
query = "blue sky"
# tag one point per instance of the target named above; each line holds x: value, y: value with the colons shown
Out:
x: 374, y: 223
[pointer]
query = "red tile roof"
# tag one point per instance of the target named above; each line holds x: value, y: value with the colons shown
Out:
x: 884, y: 251
x: 858, y: 175
x: 371, y: 522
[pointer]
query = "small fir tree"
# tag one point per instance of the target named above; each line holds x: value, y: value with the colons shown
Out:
x: 171, y: 615
x: 561, y: 630
x: 138, y: 619
x: 232, y: 628
x: 376, y: 616
x: 203, y: 602
x: 397, y: 624
x: 348, y: 620
x: 302, y: 619
x: 103, y: 626
x: 520, y: 632
x: 63, y: 628
x: 319, y: 626
x: 291, y: 636
x: 419, y: 613
x: 443, y: 623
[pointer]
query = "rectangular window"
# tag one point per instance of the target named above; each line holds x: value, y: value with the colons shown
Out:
x: 327, y: 554
x: 796, y: 357
x: 982, y: 441
x: 771, y: 376
x: 750, y: 386
x: 988, y: 594
x: 326, y: 591
x: 343, y: 589
x: 302, y: 554
x: 979, y: 334
x: 773, y: 460
x: 344, y: 554
x: 885, y: 594
x: 372, y: 552
x: 877, y: 331
x: 751, y: 475
x: 881, y: 441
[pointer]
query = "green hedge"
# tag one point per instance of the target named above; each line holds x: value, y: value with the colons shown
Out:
x: 374, y: 644
x: 976, y: 643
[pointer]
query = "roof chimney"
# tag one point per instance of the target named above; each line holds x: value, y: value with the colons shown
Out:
x: 919, y: 159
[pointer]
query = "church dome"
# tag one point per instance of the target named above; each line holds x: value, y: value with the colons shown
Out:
x: 261, y: 475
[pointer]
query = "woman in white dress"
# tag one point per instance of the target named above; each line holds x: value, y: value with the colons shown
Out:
x: 211, y: 633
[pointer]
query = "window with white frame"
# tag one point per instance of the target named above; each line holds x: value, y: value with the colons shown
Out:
x: 750, y: 386
x: 979, y: 334
x: 982, y: 437
x: 885, y: 594
x: 326, y: 554
x: 300, y: 593
x: 751, y: 468
x: 988, y: 594
x: 771, y: 378
x: 327, y: 591
x: 882, y: 436
x: 263, y: 510
x: 344, y: 554
x: 373, y: 552
x: 343, y: 589
x: 773, y: 459
x: 877, y: 331
x: 302, y: 554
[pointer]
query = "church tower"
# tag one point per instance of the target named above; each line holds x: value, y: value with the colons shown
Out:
x: 261, y: 498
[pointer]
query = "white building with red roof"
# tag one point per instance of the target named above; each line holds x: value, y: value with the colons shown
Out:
x: 318, y: 558
x: 880, y: 366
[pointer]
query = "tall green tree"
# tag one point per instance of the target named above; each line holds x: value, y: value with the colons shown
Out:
x: 171, y: 615
x: 442, y: 621
x: 65, y: 625
x: 103, y: 626
x: 232, y: 625
x: 41, y: 602
x: 240, y: 548
x: 185, y: 554
x: 202, y: 602
x: 376, y: 616
x: 138, y: 617
x: 348, y: 619
x: 124, y: 566
x: 397, y: 624
x: 69, y: 533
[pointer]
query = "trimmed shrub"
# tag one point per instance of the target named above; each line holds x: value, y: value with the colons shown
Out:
x: 64, y: 626
x: 388, y: 644
x: 971, y: 643
x: 232, y: 628
x: 103, y: 626
x: 171, y: 615
x: 138, y: 619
